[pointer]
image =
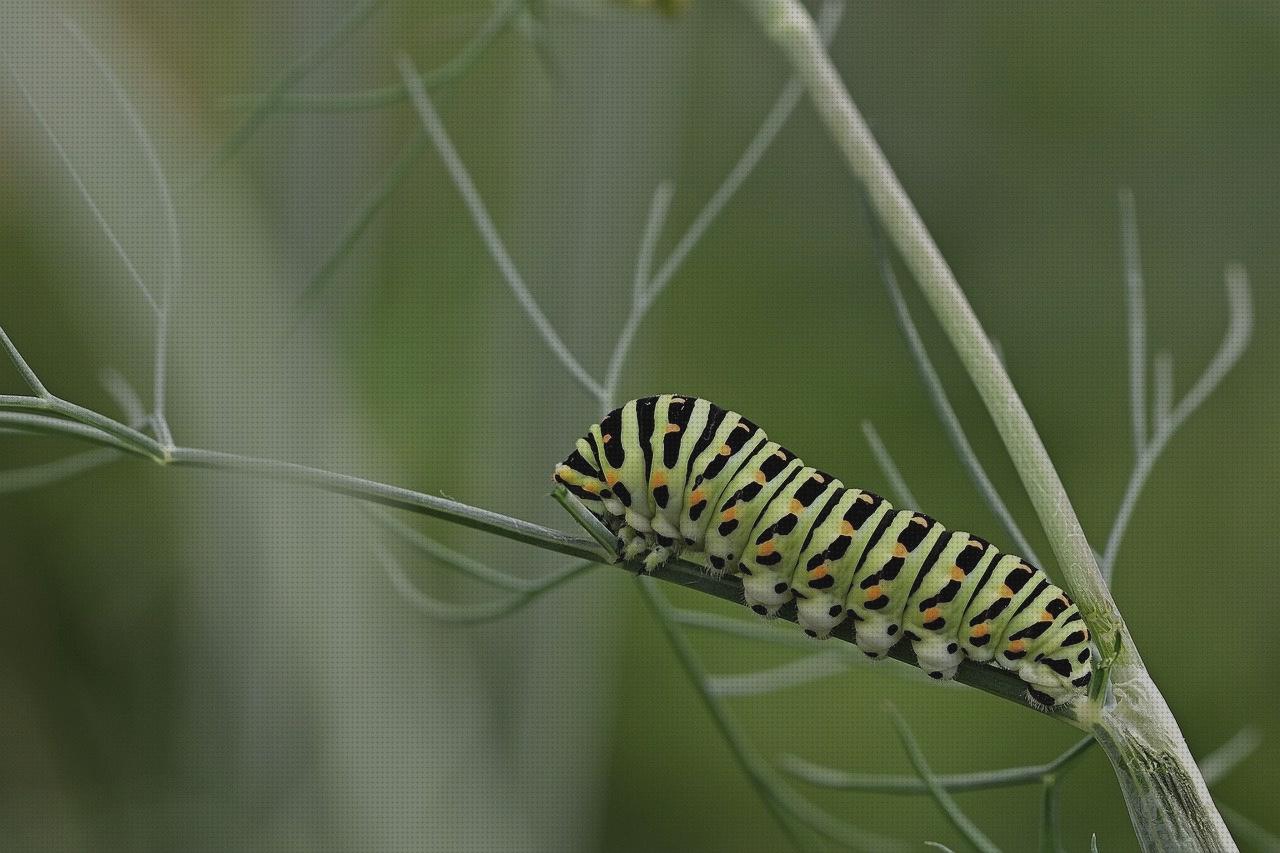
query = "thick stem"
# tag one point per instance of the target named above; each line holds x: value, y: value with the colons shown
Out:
x: 1151, y: 757
x: 1168, y: 802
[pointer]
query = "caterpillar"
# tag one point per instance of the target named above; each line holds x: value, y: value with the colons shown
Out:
x: 678, y: 475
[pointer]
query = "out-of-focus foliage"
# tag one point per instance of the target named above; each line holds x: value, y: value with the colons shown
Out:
x: 193, y: 662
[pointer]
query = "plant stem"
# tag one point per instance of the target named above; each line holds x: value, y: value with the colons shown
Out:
x: 1167, y: 799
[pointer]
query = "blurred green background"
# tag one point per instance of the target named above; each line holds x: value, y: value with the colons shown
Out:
x: 190, y: 660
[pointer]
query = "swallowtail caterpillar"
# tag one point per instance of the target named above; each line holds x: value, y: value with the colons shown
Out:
x: 676, y: 475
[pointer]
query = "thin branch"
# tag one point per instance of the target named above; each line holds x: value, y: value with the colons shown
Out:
x: 783, y: 802
x: 938, y: 395
x: 1219, y: 764
x: 881, y: 783
x: 641, y: 298
x: 1258, y: 838
x: 958, y: 818
x: 408, y: 158
x: 1162, y: 390
x: 58, y: 471
x: 124, y: 395
x: 18, y: 412
x: 28, y: 375
x: 589, y: 522
x: 828, y: 22
x: 1050, y: 835
x: 30, y: 411
x: 890, y: 468
x: 475, y: 204
x: 83, y: 190
x: 1137, y: 320
x: 170, y: 219
x: 794, y: 673
x: 1234, y: 343
x: 383, y: 96
x: 487, y: 611
x: 275, y: 94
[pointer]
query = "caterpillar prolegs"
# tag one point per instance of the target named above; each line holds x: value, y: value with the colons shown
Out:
x: 675, y: 475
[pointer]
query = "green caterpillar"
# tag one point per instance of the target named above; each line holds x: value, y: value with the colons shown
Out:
x: 675, y: 474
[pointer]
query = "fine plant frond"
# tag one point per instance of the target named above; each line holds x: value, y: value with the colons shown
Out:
x: 949, y: 807
x: 271, y: 100
x: 58, y: 471
x: 1170, y: 418
x: 794, y: 673
x: 459, y: 65
x: 880, y: 783
x: 1219, y: 764
x: 938, y: 396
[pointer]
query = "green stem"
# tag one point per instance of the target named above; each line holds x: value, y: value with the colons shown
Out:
x: 1167, y: 799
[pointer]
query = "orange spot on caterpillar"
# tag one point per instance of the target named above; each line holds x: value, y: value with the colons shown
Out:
x: 900, y: 550
x: 920, y: 520
x: 697, y: 496
x: 725, y: 450
x: 1018, y: 646
x: 760, y: 478
x: 847, y: 529
x: 819, y: 572
x: 873, y: 593
x: 673, y: 428
x: 590, y: 486
x: 658, y: 479
x: 1005, y: 592
x: 796, y: 507
x: 932, y: 614
x: 1046, y: 616
x: 729, y: 514
x: 606, y: 438
x: 765, y: 549
x: 611, y: 477
x: 866, y: 498
x: 780, y: 453
x: 981, y: 630
x: 957, y: 573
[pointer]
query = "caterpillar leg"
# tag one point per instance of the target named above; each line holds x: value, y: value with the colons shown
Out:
x: 875, y: 637
x: 939, y: 656
x: 765, y: 592
x: 819, y: 614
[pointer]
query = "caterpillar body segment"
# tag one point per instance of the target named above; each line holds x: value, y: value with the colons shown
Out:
x: 675, y: 474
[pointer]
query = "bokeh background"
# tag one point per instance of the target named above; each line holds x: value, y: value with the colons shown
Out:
x: 191, y: 660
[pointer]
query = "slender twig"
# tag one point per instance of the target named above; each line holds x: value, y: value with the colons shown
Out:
x: 408, y: 157
x: 1137, y: 320
x: 383, y: 96
x: 953, y: 812
x: 1162, y: 389
x: 938, y: 396
x: 884, y: 459
x: 270, y: 101
x: 88, y: 198
x: 58, y: 471
x: 880, y: 783
x: 122, y: 436
x: 1234, y: 343
x: 783, y: 802
x: 484, y: 224
x: 794, y: 673
x: 488, y: 611
x: 1050, y: 836
x: 28, y: 375
x: 159, y: 367
x: 1219, y: 764
x: 641, y: 297
x: 828, y: 22
x: 589, y: 522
